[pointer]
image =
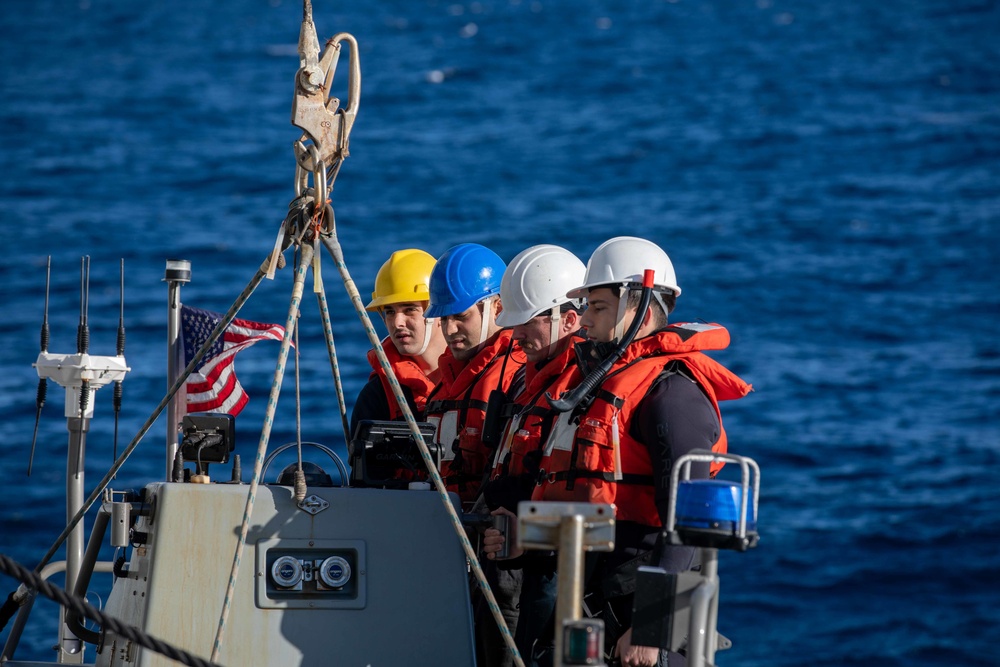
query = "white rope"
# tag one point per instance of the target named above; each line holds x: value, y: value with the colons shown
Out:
x: 331, y: 350
x: 265, y: 434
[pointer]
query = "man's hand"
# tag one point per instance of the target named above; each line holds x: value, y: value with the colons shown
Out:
x: 493, y: 540
x: 635, y: 656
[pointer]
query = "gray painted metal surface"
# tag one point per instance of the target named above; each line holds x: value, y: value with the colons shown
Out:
x: 406, y: 601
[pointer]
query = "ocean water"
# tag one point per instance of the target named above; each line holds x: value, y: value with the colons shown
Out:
x: 823, y: 174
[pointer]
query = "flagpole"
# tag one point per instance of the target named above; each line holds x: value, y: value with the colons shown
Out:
x: 120, y: 461
x: 178, y: 273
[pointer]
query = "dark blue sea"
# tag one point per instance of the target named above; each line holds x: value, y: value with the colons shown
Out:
x: 824, y: 174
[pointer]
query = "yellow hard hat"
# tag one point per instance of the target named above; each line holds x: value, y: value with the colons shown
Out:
x: 404, y: 277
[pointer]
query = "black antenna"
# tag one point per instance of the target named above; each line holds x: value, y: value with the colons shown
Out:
x: 83, y: 329
x: 43, y: 384
x: 117, y: 401
x: 121, y: 308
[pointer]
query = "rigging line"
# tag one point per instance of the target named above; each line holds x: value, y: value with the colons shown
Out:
x: 83, y: 608
x: 265, y: 434
x: 116, y: 466
x: 333, y: 246
x: 300, y: 476
x: 331, y: 349
x: 298, y: 395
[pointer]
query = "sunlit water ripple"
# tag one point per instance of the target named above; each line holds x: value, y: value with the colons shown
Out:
x: 823, y: 175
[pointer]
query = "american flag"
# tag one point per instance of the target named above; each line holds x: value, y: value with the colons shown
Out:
x: 213, y: 386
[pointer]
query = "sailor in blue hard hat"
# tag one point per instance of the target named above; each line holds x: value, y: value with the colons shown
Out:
x: 480, y: 359
x: 465, y: 295
x: 464, y: 291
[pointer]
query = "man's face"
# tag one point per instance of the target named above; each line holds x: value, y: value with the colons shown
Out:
x: 405, y: 324
x: 461, y: 332
x: 602, y: 312
x: 533, y: 337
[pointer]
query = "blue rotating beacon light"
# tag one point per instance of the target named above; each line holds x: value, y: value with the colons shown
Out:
x: 714, y: 513
x: 679, y: 610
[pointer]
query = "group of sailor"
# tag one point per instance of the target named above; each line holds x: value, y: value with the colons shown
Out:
x: 467, y: 327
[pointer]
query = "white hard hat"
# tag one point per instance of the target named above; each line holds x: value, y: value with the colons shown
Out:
x: 536, y: 281
x: 622, y: 260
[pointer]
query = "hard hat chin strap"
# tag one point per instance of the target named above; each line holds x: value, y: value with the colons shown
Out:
x: 428, y: 330
x: 623, y: 306
x: 487, y: 319
x: 555, y: 318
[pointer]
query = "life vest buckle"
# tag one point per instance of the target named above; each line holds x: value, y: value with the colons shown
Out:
x: 543, y: 477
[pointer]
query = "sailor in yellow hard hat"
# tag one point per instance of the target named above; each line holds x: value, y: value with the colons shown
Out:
x: 413, y: 345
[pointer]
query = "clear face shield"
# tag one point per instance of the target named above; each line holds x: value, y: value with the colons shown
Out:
x: 623, y: 291
x: 622, y: 306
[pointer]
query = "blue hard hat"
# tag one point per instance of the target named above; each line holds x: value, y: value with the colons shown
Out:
x: 463, y: 276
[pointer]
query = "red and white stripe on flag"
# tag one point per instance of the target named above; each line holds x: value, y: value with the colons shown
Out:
x: 213, y: 387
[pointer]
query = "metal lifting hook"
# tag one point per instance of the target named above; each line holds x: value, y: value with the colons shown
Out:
x: 319, y: 116
x: 321, y: 150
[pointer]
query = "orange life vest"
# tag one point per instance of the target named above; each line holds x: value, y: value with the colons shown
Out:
x: 457, y: 406
x: 408, y: 372
x: 591, y: 457
x: 533, y: 416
